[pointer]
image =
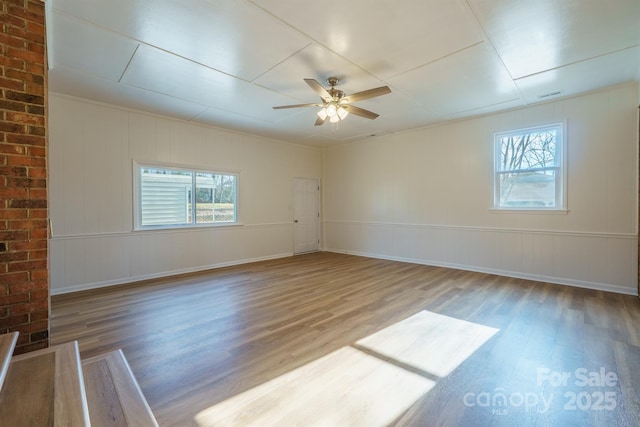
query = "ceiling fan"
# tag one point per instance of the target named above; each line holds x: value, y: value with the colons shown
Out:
x: 336, y: 104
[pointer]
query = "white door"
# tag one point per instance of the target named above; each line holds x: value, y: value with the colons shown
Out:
x: 306, y: 215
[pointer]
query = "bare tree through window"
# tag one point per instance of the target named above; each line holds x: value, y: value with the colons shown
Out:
x: 528, y: 168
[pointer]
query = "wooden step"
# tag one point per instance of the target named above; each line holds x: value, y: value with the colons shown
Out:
x: 44, y: 388
x: 113, y: 394
x: 7, y: 344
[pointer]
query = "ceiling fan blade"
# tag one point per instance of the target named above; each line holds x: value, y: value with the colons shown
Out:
x: 360, y: 111
x: 319, y: 89
x: 319, y: 121
x: 366, y: 94
x: 297, y: 106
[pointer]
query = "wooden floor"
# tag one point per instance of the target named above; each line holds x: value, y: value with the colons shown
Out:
x: 330, y: 339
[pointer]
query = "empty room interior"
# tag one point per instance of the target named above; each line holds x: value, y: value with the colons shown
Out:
x: 281, y: 213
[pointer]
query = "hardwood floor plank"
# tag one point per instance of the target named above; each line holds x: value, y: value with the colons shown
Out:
x: 206, y: 347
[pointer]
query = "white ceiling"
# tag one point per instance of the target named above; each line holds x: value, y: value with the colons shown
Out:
x: 227, y: 62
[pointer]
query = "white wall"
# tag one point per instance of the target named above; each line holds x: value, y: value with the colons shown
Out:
x: 91, y: 150
x: 425, y: 196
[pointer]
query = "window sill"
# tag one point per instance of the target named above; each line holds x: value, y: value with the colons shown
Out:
x: 529, y: 211
x: 187, y: 227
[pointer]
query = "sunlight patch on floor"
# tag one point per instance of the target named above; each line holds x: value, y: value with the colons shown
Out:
x: 371, y: 387
x: 342, y: 386
x: 431, y: 342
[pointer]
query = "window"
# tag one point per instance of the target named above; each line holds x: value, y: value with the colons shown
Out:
x: 175, y: 197
x: 529, y: 169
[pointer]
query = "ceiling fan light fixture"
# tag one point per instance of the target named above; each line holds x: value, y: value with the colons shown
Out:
x: 334, y: 103
x: 323, y: 114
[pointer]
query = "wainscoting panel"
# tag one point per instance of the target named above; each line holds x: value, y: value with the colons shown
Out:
x: 92, y: 261
x: 596, y: 261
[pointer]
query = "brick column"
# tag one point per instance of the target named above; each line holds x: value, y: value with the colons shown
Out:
x: 24, y: 277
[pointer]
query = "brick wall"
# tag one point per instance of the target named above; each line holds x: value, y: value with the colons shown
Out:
x: 24, y: 284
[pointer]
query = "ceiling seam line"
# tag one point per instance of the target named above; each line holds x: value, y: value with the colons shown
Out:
x: 126, y: 67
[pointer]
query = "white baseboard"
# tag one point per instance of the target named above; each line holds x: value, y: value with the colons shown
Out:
x: 515, y: 274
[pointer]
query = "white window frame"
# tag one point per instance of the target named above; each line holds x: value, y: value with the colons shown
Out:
x: 560, y: 168
x: 137, y: 209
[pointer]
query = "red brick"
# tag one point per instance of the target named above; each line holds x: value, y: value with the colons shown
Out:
x: 12, y: 127
x: 14, y: 21
x: 38, y: 194
x: 36, y: 43
x: 37, y: 151
x: 12, y: 105
x: 28, y: 15
x: 26, y: 182
x: 39, y: 326
x: 14, y: 256
x: 41, y: 254
x: 22, y: 340
x: 25, y: 140
x: 37, y: 7
x: 28, y: 203
x: 29, y: 307
x: 25, y: 97
x: 37, y: 173
x: 39, y: 295
x: 16, y: 42
x: 12, y: 148
x: 27, y: 265
x: 11, y: 193
x: 18, y: 320
x: 22, y: 329
x: 26, y: 161
x: 24, y: 118
x: 28, y: 245
x: 38, y: 213
x: 11, y: 84
x: 19, y: 277
x: 14, y: 213
x: 14, y: 300
x: 35, y: 28
x: 40, y: 277
x: 21, y: 288
x: 13, y: 235
x: 35, y: 68
x: 40, y: 233
x: 21, y: 349
x: 13, y: 170
x: 27, y: 224
x: 39, y: 315
x: 36, y: 130
x: 15, y: 63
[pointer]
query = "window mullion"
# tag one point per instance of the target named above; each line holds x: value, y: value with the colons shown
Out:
x: 194, y: 176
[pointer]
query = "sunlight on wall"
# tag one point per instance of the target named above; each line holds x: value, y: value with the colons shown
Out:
x: 372, y: 383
